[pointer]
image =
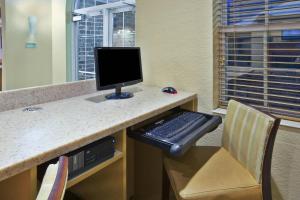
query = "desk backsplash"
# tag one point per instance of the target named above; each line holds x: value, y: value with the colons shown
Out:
x: 14, y: 99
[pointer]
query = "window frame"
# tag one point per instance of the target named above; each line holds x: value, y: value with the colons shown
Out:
x: 111, y: 21
x: 107, y: 14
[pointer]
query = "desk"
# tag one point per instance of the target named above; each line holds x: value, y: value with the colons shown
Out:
x: 28, y: 139
x: 0, y: 77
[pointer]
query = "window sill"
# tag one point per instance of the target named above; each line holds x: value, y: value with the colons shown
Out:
x: 286, y: 123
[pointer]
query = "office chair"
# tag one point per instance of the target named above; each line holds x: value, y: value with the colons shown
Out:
x: 240, y: 169
x: 55, y: 180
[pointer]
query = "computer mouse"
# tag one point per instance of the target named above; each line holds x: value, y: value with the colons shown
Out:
x: 169, y: 90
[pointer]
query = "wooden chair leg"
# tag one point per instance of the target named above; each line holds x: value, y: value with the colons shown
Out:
x: 165, y: 186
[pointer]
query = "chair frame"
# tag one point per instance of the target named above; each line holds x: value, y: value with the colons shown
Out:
x: 267, y: 163
x: 266, y: 168
x: 60, y: 179
x: 165, y: 185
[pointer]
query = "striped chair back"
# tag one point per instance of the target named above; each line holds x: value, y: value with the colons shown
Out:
x: 246, y: 134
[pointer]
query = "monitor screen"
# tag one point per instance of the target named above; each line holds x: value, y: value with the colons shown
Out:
x: 117, y: 66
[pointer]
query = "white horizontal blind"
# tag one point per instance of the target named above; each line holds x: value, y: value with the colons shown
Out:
x: 258, y: 52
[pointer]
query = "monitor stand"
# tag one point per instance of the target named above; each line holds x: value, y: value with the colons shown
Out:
x: 119, y: 95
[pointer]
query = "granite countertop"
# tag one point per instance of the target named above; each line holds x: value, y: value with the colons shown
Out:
x: 28, y: 139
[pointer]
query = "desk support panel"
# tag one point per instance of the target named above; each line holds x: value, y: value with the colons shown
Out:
x: 148, y: 165
x: 22, y: 186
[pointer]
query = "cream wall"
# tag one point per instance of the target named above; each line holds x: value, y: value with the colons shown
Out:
x: 2, y: 5
x: 27, y: 67
x: 59, y: 41
x: 45, y: 64
x: 177, y: 46
x: 176, y: 41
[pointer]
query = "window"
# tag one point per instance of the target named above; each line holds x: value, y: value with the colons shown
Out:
x: 258, y: 54
x: 100, y: 23
x: 122, y: 28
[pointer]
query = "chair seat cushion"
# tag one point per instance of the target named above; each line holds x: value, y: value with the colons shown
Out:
x: 211, y: 173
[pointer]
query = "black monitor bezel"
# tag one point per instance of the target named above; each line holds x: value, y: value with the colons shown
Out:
x: 118, y: 85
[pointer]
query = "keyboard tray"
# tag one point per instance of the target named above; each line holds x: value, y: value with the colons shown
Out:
x: 177, y: 147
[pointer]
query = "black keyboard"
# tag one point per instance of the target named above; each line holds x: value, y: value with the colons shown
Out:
x: 177, y: 126
x: 177, y: 132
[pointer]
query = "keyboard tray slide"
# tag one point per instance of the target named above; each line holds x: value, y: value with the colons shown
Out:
x: 181, y: 145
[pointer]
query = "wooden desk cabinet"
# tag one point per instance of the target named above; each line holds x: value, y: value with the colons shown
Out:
x: 0, y: 79
x: 135, y: 172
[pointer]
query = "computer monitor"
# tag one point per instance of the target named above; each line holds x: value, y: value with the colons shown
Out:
x: 117, y: 67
